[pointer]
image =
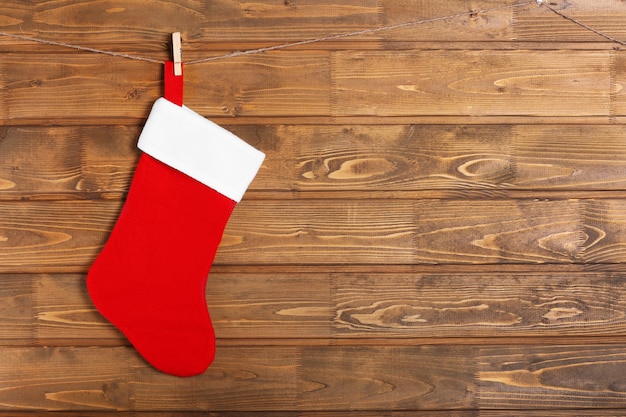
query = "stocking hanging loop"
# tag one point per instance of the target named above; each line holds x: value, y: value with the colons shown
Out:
x: 173, y: 84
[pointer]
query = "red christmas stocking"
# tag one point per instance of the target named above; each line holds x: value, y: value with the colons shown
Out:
x: 149, y: 280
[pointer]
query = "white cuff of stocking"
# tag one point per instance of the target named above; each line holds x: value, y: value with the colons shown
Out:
x: 192, y: 144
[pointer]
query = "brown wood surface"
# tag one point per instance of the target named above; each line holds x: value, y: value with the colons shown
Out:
x: 324, y: 83
x: 439, y: 227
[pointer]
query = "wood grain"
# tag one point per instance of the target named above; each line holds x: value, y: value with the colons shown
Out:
x: 474, y: 305
x: 494, y: 232
x: 553, y: 413
x: 576, y: 376
x: 77, y: 161
x: 68, y: 235
x: 387, y: 377
x: 568, y: 157
x: 377, y: 232
x: 318, y: 378
x: 127, y: 26
x: 98, y: 161
x: 64, y: 313
x: 62, y: 234
x: 48, y: 236
x: 289, y: 378
x: 314, y: 83
x: 474, y: 27
x: 271, y: 305
x: 540, y: 25
x: 286, y: 83
x: 471, y: 83
x: 64, y: 379
x: 16, y: 309
x: 230, y: 21
x: 54, y: 309
x: 50, y: 80
x: 599, y: 245
x: 617, y: 89
x: 271, y: 85
x: 290, y: 21
x: 437, y: 230
x: 422, y: 413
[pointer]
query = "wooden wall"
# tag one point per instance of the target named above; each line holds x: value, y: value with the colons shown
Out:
x: 439, y: 228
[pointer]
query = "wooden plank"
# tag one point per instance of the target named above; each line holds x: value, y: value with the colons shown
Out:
x: 293, y: 83
x: 3, y: 97
x: 286, y: 21
x: 98, y: 161
x: 73, y: 86
x: 121, y: 28
x: 497, y: 232
x: 537, y: 24
x: 241, y: 379
x: 378, y: 413
x: 56, y: 310
x: 379, y: 378
x: 544, y: 377
x: 76, y: 161
x: 319, y: 232
x: 421, y: 413
x: 64, y: 379
x: 132, y: 26
x: 403, y: 83
x: 400, y: 157
x: 62, y: 235
x: 66, y: 236
x: 403, y: 232
x: 600, y: 246
x: 70, y: 234
x: 321, y: 378
x: 241, y: 306
x: 415, y: 157
x: 554, y: 413
x: 270, y: 305
x: 568, y: 157
x: 318, y: 378
x: 64, y: 313
x: 477, y: 305
x: 16, y: 309
x: 389, y: 83
x: 474, y: 26
x: 617, y: 89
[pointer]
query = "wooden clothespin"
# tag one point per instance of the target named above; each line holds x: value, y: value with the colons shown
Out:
x: 173, y: 73
x: 177, y: 49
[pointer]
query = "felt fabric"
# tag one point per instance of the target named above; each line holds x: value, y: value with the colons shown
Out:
x: 149, y: 279
x: 181, y: 138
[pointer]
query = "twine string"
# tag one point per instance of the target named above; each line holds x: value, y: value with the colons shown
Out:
x: 356, y: 33
x: 269, y: 48
x: 78, y: 47
x: 315, y: 40
x: 581, y: 24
